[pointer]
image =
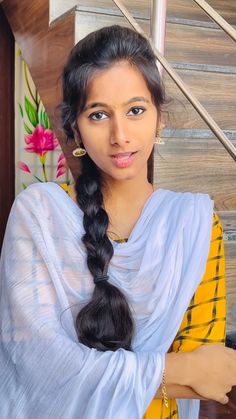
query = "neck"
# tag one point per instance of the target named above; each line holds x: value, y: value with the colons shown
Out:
x: 127, y: 191
x: 130, y: 191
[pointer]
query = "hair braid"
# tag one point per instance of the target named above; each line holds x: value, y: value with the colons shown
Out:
x: 105, y: 323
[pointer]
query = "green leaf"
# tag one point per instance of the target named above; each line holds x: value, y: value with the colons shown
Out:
x: 21, y: 110
x: 36, y: 177
x: 41, y: 117
x: 49, y: 123
x: 27, y: 129
x: 46, y: 120
x: 31, y: 112
x: 24, y: 185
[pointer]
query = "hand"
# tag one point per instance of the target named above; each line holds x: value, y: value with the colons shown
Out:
x: 212, y: 371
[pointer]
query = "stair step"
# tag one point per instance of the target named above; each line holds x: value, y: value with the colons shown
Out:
x: 190, y: 44
x: 141, y: 8
x: 59, y: 8
x: 200, y: 165
x: 195, y: 133
x: 230, y: 249
x: 216, y: 92
x: 190, y: 10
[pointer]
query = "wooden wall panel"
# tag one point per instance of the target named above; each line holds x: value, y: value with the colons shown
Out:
x: 7, y: 140
x: 44, y: 49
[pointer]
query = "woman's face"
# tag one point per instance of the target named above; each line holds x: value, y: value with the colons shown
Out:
x: 119, y: 121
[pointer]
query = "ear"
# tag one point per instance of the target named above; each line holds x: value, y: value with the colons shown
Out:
x: 160, y: 123
x: 76, y: 132
x: 160, y: 126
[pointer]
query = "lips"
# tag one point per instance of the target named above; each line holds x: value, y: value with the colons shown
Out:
x: 120, y: 155
x: 123, y: 160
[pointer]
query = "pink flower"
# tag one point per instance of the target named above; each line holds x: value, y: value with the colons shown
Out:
x: 23, y: 166
x: 61, y: 168
x: 61, y: 172
x: 61, y: 161
x: 41, y: 141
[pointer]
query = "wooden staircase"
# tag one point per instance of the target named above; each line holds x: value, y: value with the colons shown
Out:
x: 191, y: 159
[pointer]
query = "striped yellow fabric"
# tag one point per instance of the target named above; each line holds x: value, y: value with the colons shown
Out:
x: 204, y: 320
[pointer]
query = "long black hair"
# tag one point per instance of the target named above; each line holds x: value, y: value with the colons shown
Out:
x: 106, y: 322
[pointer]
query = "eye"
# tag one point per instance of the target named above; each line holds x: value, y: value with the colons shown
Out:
x: 137, y: 111
x: 97, y: 116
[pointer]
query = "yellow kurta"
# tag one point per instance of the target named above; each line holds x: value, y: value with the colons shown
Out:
x: 204, y: 320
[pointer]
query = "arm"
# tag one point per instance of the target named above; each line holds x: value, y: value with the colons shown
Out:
x: 178, y: 363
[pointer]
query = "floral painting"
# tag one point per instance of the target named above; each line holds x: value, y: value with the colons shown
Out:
x: 39, y: 137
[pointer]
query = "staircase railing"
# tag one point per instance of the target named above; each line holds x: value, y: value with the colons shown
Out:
x: 217, y: 18
x: 179, y: 82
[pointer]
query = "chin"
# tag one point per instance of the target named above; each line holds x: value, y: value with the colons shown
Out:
x: 120, y: 174
x: 125, y: 174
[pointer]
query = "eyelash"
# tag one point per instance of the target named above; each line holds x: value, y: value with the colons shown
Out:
x: 96, y: 113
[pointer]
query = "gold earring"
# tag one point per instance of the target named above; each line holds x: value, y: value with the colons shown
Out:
x: 158, y: 137
x: 79, y: 151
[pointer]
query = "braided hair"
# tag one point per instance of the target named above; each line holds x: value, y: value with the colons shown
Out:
x: 106, y: 322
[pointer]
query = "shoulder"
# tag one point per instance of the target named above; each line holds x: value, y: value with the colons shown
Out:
x: 196, y: 205
x: 37, y: 189
x: 37, y: 199
x: 185, y: 195
x: 36, y: 193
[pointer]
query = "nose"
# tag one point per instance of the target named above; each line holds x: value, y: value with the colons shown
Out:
x: 118, y: 134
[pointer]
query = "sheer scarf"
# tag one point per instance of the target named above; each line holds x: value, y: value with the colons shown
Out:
x: 44, y: 371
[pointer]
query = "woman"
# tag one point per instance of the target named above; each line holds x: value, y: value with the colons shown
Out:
x: 94, y: 291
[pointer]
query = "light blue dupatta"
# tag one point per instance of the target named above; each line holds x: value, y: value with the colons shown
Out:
x: 44, y: 371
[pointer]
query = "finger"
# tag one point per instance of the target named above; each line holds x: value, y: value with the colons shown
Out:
x: 230, y: 350
x: 224, y: 400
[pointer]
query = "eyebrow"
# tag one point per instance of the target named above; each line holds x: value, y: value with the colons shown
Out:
x: 133, y: 99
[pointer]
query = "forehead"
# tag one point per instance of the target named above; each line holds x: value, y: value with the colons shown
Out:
x: 116, y: 83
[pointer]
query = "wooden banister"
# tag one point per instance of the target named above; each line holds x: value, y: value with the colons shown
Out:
x: 217, y: 18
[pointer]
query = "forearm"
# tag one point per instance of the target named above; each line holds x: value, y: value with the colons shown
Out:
x: 175, y: 391
x: 177, y: 370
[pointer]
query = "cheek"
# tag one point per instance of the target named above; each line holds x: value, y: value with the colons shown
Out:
x: 150, y: 136
x: 93, y: 151
x: 91, y: 135
x: 96, y: 150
